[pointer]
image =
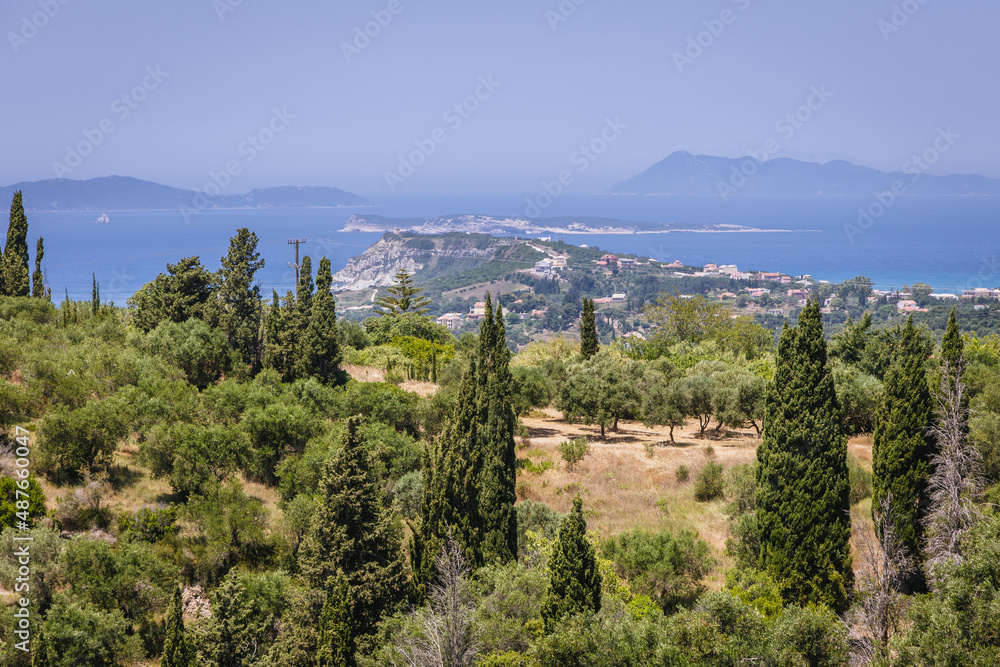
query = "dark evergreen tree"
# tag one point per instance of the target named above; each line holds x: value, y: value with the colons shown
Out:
x: 588, y: 330
x: 181, y: 293
x: 301, y: 316
x: 497, y: 486
x: 451, y: 490
x: 469, y: 484
x: 403, y: 297
x: 953, y: 357
x: 95, y: 296
x: 354, y: 531
x: 15, y: 254
x: 321, y: 343
x: 239, y: 297
x: 903, y: 446
x: 574, y: 578
x: 279, y: 336
x: 176, y: 650
x: 38, y: 290
x: 802, y: 494
x: 336, y: 636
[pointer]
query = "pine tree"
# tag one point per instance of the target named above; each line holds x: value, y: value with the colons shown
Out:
x: 354, y: 531
x: 403, y: 297
x: 497, y: 487
x: 95, y: 296
x: 574, y: 578
x: 239, y: 297
x: 15, y: 255
x: 38, y: 278
x: 903, y: 446
x: 802, y: 495
x: 588, y: 330
x: 336, y: 637
x: 176, y: 651
x: 321, y: 344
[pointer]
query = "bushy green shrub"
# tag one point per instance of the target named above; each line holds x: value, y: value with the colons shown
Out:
x: 668, y: 568
x: 29, y: 504
x: 383, y: 402
x: 407, y: 494
x: 709, y: 484
x: 860, y: 480
x: 147, y: 524
x: 203, y: 353
x: 86, y: 437
x: 538, y: 518
x: 573, y: 451
x: 532, y: 389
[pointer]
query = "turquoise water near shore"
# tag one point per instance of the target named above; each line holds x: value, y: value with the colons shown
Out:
x: 951, y: 243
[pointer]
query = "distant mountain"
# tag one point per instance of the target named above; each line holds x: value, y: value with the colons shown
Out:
x: 488, y: 224
x: 120, y: 193
x: 684, y: 174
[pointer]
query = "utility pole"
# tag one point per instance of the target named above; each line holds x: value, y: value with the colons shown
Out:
x: 296, y: 243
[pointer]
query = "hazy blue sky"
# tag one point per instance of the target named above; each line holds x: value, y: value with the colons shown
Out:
x: 226, y: 65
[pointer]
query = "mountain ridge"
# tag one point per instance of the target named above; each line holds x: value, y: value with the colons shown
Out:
x: 119, y: 193
x: 684, y: 174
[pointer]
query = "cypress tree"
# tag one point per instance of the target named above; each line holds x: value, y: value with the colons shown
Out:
x: 321, y: 344
x: 497, y: 487
x: 303, y: 311
x: 15, y: 255
x: 176, y: 651
x: 38, y: 278
x: 953, y: 357
x: 95, y: 295
x: 574, y: 578
x: 39, y: 648
x: 239, y: 297
x: 451, y: 491
x: 802, y: 495
x: 354, y: 531
x: 336, y: 637
x: 903, y: 446
x: 588, y: 330
x: 279, y: 337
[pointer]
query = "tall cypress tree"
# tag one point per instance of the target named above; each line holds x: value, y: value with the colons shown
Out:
x: 279, y: 337
x: 176, y: 651
x: 574, y: 578
x: 354, y: 531
x: 588, y: 330
x: 451, y: 490
x: 95, y: 295
x: 239, y: 297
x: 336, y: 636
x: 303, y: 312
x: 903, y: 446
x: 321, y: 344
x: 469, y: 484
x: 15, y: 255
x: 497, y: 487
x: 952, y: 355
x: 802, y: 492
x: 38, y: 278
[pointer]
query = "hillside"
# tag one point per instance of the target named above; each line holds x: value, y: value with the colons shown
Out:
x: 429, y: 257
x: 684, y: 174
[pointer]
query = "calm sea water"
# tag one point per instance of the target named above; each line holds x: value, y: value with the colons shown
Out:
x: 951, y: 243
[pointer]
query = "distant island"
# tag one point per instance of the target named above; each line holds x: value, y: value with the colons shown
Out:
x: 488, y: 224
x: 122, y: 193
x: 684, y: 174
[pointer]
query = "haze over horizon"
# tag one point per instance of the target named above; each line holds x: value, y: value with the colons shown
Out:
x: 299, y: 95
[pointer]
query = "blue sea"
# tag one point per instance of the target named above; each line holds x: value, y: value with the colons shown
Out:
x: 951, y: 243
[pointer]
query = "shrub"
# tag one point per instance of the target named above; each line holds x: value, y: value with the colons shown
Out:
x: 709, y: 485
x: 383, y: 402
x: 741, y: 485
x: 78, y: 634
x: 407, y: 494
x: 200, y: 351
x: 668, y: 568
x: 538, y: 518
x: 28, y: 506
x: 683, y: 473
x: 88, y: 436
x: 147, y: 524
x: 531, y: 389
x: 812, y: 636
x: 860, y: 480
x: 574, y: 450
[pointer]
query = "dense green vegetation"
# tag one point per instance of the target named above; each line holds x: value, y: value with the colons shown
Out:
x: 202, y: 449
